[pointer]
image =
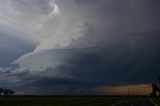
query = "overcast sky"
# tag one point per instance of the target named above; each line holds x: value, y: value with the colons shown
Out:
x: 74, y: 46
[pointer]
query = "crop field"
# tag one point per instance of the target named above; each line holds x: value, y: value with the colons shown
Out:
x: 61, y: 101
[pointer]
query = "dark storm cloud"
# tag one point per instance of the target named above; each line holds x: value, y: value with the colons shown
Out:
x: 56, y: 86
x: 126, y: 54
x: 120, y: 64
x: 126, y: 62
x: 129, y: 52
x: 95, y: 66
x: 120, y: 45
x: 42, y: 85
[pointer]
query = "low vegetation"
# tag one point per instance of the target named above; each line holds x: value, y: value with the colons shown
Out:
x: 60, y: 101
x: 156, y: 101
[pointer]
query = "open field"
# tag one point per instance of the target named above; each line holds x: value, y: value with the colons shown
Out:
x: 60, y: 101
x: 65, y: 100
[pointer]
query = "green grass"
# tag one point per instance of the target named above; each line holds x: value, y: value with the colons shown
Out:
x: 156, y: 100
x: 60, y: 101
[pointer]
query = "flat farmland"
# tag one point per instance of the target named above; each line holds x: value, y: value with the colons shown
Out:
x: 61, y: 100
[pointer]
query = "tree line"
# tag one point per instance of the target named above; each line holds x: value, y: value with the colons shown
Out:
x: 6, y: 92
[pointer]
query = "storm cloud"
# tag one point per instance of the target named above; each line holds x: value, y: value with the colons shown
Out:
x: 77, y: 45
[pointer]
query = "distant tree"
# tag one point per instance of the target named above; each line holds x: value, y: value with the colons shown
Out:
x: 5, y: 91
x: 1, y: 91
x: 11, y: 92
x: 8, y: 92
